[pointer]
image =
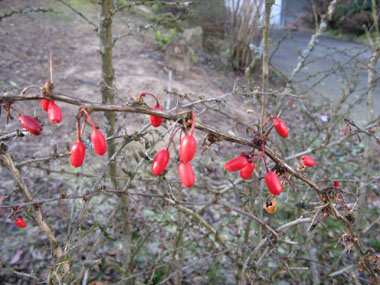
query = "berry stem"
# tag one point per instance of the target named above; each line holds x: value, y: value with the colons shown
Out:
x: 193, y: 124
x: 291, y: 184
x: 180, y: 134
x: 373, y: 149
x: 150, y: 94
x: 88, y: 116
x: 258, y: 156
x: 172, y: 137
x: 270, y: 117
x: 265, y: 162
x: 28, y: 87
x: 78, y: 128
x: 83, y: 127
x: 14, y: 110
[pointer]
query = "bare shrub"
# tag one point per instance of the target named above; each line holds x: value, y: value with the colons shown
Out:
x: 244, y: 29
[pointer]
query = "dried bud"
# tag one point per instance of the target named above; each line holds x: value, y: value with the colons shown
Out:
x: 350, y: 217
x: 49, y: 85
x: 325, y: 212
x: 189, y: 123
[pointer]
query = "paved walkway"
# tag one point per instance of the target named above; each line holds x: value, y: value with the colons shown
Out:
x: 332, y: 65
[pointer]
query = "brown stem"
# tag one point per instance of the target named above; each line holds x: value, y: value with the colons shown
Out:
x: 51, y: 69
x: 150, y: 94
x: 78, y: 129
x: 172, y: 137
x: 82, y: 109
x: 265, y: 71
x: 193, y: 124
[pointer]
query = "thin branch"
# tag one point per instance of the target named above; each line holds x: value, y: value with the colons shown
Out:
x: 253, y: 217
x: 294, y: 223
x: 96, y: 28
x: 25, y: 11
x: 314, y: 39
x: 7, y: 161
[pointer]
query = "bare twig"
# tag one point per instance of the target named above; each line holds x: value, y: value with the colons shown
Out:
x: 314, y: 39
x: 96, y: 28
x: 8, y: 163
x: 24, y: 11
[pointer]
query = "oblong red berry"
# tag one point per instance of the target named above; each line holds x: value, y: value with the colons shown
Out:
x: 336, y: 183
x: 77, y: 153
x: 156, y: 121
x: 307, y: 161
x: 236, y: 163
x: 99, y: 142
x: 20, y: 223
x: 30, y: 124
x: 160, y: 162
x: 54, y: 113
x: 247, y: 170
x: 273, y: 183
x: 281, y: 128
x: 186, y: 174
x: 45, y: 104
x: 187, y: 148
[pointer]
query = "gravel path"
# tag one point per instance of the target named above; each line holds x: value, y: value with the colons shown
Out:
x: 333, y: 66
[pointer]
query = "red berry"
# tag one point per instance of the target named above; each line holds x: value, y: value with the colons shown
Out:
x: 336, y: 183
x: 45, y: 104
x: 307, y: 161
x: 77, y: 153
x: 30, y: 124
x: 156, y: 121
x: 273, y: 183
x: 247, y: 170
x: 281, y: 128
x: 99, y: 142
x: 20, y: 223
x: 54, y: 113
x: 186, y: 174
x: 290, y: 102
x: 187, y: 148
x: 160, y: 162
x: 236, y: 163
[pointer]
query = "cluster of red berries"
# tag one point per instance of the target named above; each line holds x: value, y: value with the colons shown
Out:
x: 78, y: 149
x: 54, y: 112
x: 187, y: 149
x: 245, y: 163
x: 48, y: 105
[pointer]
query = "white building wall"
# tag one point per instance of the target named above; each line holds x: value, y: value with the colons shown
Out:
x: 275, y: 13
